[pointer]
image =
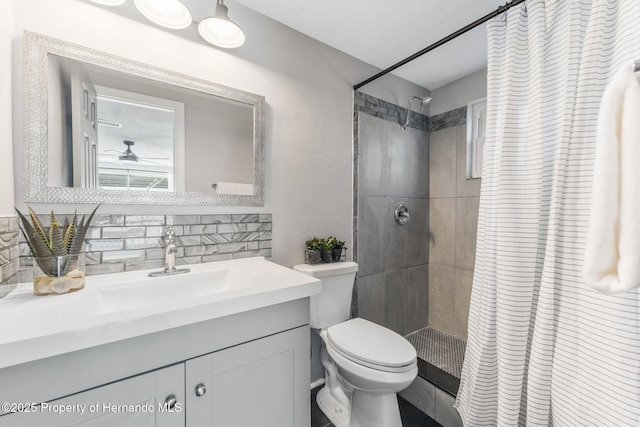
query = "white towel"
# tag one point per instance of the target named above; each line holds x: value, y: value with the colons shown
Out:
x: 232, y: 188
x: 612, y: 254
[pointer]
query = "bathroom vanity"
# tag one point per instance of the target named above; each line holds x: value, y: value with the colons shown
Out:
x: 168, y: 351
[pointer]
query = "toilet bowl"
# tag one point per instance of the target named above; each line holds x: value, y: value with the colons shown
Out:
x: 365, y: 364
x: 373, y: 363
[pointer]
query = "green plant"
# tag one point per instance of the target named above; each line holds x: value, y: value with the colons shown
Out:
x: 47, y: 244
x: 333, y: 243
x: 315, y: 244
x: 326, y: 244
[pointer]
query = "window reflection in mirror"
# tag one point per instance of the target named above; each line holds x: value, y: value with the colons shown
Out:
x: 111, y: 130
x: 138, y: 136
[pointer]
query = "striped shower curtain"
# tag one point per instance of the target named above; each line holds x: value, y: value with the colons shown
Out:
x: 545, y: 349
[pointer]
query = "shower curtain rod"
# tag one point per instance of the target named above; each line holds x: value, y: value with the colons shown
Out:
x: 439, y: 43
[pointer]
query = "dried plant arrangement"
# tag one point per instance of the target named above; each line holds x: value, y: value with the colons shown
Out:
x: 57, y: 251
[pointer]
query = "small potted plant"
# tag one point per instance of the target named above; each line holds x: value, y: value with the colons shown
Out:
x: 314, y: 248
x: 335, y: 246
x: 57, y: 251
x: 326, y: 249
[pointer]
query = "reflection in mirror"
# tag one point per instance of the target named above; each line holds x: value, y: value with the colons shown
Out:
x: 137, y: 139
x: 124, y: 133
x: 119, y: 131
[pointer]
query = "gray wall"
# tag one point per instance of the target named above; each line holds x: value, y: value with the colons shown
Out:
x: 453, y: 219
x: 308, y: 119
x: 392, y: 168
x: 459, y: 93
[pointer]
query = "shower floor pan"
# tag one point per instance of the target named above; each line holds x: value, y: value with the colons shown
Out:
x: 440, y: 357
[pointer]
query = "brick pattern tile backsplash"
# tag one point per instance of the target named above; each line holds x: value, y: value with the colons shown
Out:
x: 9, y: 237
x: 117, y: 243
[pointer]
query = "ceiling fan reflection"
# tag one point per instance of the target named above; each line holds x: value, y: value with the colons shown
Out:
x: 128, y: 156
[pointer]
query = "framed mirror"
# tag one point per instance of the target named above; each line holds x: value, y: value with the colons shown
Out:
x: 102, y: 128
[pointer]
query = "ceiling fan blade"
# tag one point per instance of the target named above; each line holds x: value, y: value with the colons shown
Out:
x: 149, y: 162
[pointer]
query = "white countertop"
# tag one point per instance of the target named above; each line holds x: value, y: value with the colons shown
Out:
x: 34, y: 327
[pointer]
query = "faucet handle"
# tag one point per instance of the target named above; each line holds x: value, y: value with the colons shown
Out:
x: 169, y: 234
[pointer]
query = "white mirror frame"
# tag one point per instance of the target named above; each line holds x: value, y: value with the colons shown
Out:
x: 36, y: 189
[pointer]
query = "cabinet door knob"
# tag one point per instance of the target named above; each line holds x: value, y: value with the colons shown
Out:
x: 171, y: 401
x: 200, y: 390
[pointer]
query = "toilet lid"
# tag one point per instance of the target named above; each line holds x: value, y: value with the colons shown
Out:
x: 371, y: 344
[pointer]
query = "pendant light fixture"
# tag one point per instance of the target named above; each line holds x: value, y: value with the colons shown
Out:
x: 218, y: 30
x: 172, y: 14
x: 221, y: 31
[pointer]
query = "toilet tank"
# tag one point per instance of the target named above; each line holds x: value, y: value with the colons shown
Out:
x: 333, y: 304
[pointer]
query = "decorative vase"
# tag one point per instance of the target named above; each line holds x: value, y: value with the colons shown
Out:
x: 326, y: 255
x: 63, y: 274
x: 312, y: 257
x: 336, y: 254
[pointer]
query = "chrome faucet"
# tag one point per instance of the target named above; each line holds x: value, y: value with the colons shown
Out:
x: 170, y: 250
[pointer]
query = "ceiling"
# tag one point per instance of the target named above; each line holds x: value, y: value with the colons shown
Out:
x: 383, y: 33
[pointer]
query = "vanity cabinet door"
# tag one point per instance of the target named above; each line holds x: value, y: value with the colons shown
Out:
x: 260, y: 383
x: 142, y: 401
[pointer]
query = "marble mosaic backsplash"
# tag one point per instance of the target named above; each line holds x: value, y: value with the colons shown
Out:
x: 9, y: 237
x: 451, y: 118
x: 385, y: 110
x: 117, y: 243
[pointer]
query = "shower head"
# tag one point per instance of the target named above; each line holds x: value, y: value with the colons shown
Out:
x: 424, y: 101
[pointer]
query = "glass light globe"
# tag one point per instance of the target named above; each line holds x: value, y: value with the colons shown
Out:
x: 172, y: 14
x: 221, y: 31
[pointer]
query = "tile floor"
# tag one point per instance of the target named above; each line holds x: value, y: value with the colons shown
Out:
x: 440, y: 357
x: 411, y: 416
x: 440, y: 349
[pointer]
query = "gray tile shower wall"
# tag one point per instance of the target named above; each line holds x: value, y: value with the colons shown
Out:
x: 391, y: 167
x: 385, y: 110
x: 9, y: 252
x: 117, y: 243
x: 453, y: 220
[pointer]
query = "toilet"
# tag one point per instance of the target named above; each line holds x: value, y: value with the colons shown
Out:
x: 365, y: 364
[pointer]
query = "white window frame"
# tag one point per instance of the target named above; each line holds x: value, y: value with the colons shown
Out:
x: 177, y: 175
x: 476, y: 134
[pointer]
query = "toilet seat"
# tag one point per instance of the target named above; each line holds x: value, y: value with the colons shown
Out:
x: 371, y: 345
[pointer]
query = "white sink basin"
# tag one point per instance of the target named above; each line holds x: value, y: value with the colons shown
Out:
x: 170, y: 289
x: 114, y: 307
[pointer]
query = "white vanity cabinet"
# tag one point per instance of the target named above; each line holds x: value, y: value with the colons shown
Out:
x: 146, y: 400
x: 242, y: 370
x: 254, y: 384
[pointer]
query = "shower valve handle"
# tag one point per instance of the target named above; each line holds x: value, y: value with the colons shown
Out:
x: 401, y: 214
